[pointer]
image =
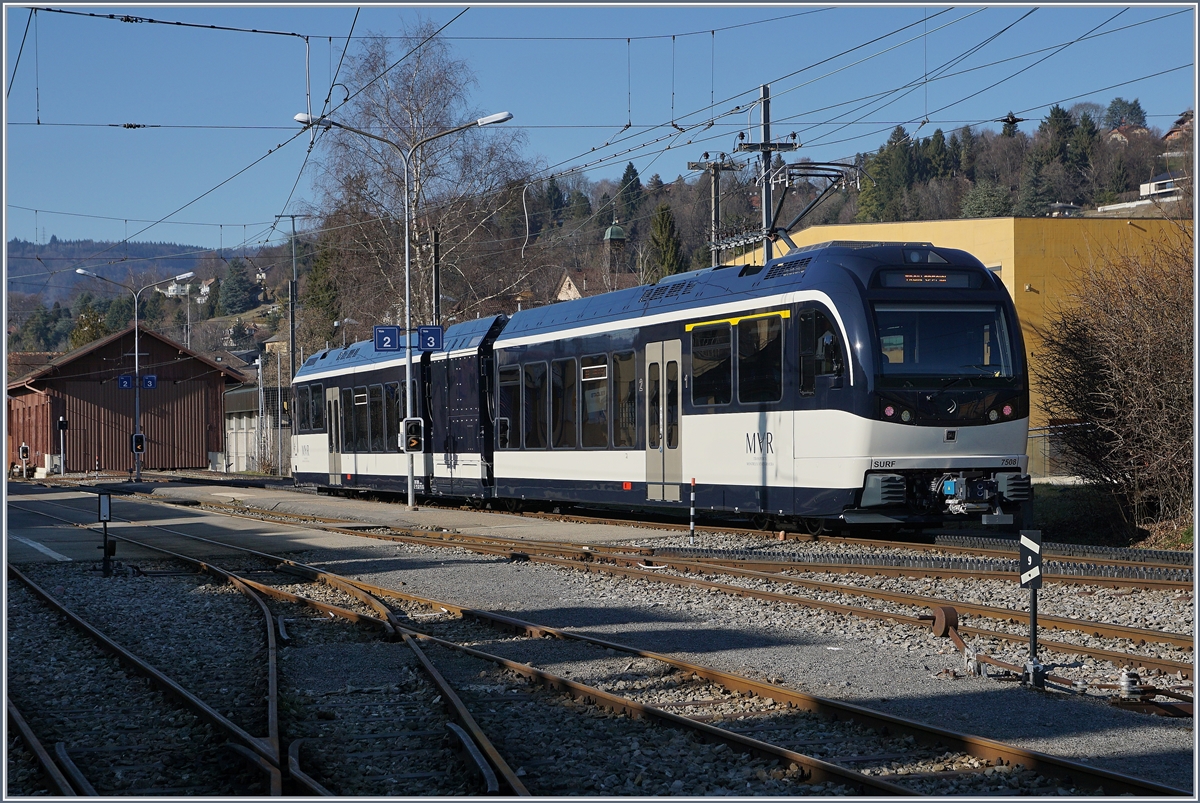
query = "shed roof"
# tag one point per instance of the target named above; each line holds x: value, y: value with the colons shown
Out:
x: 47, y: 370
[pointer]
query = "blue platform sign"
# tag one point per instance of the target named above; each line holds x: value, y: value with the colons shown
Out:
x: 149, y: 381
x: 125, y: 381
x: 387, y: 338
x: 429, y: 338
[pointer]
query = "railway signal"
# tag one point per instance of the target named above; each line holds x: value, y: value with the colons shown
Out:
x: 414, y: 435
x: 137, y: 443
x: 1030, y: 571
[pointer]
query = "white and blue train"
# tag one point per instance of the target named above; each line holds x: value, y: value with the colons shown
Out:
x: 844, y: 383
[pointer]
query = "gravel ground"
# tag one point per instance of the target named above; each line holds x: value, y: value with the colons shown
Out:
x: 893, y: 668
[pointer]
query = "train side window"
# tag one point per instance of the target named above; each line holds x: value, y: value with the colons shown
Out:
x: 318, y: 407
x: 712, y: 365
x: 375, y: 404
x: 624, y: 400
x: 653, y: 406
x: 362, y: 433
x: 393, y: 404
x: 303, y: 413
x: 760, y: 359
x: 564, y: 403
x: 508, y: 413
x: 347, y: 423
x: 535, y: 422
x: 595, y: 401
x: 672, y: 422
x: 827, y: 349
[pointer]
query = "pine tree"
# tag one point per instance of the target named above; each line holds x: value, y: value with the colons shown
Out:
x: 629, y: 196
x: 1057, y: 128
x: 1009, y: 129
x: 966, y: 157
x: 236, y: 292
x: 1124, y: 112
x: 986, y: 199
x: 664, y: 239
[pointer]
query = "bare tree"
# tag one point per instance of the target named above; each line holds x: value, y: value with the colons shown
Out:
x: 1117, y: 372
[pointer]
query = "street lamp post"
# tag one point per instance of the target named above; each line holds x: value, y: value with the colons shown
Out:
x: 307, y: 120
x: 137, y: 378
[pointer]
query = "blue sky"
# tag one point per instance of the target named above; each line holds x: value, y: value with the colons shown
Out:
x: 572, y: 76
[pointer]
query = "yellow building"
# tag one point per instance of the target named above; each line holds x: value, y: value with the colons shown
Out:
x: 1035, y: 257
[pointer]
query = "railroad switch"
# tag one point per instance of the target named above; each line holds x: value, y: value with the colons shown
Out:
x: 1034, y: 675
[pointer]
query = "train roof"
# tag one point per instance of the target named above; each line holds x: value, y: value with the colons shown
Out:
x: 802, y: 268
x: 363, y: 354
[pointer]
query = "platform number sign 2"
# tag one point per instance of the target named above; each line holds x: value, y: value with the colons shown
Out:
x: 1031, y: 559
x: 429, y: 338
x: 387, y: 338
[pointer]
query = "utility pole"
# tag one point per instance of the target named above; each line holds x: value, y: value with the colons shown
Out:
x: 437, y: 277
x: 766, y: 148
x: 292, y: 303
x: 715, y: 168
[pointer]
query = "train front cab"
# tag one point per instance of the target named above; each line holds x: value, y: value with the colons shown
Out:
x: 949, y: 401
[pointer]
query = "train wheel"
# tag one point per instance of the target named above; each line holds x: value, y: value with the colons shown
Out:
x: 815, y: 526
x: 512, y: 505
x: 762, y: 521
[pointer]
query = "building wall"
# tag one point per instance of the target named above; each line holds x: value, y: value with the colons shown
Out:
x: 182, y: 417
x: 1037, y: 260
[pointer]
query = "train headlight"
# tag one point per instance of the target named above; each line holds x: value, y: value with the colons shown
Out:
x: 993, y: 415
x: 889, y: 411
x: 906, y: 416
x: 1007, y: 410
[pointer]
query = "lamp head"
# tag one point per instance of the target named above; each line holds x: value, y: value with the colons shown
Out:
x: 183, y: 276
x: 83, y: 272
x: 492, y: 119
x: 308, y: 120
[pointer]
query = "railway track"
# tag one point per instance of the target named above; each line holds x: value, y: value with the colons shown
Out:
x: 107, y: 720
x: 938, y: 754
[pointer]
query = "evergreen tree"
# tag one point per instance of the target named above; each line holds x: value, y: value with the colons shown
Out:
x: 1124, y: 112
x: 1057, y: 130
x: 986, y: 199
x: 89, y: 326
x: 629, y: 196
x: 579, y: 206
x: 967, y: 153
x: 882, y: 200
x: 236, y: 291
x: 936, y: 156
x: 321, y: 303
x: 1033, y: 195
x: 1009, y: 129
x: 1083, y: 143
x: 664, y: 239
x: 119, y: 314
x: 554, y: 203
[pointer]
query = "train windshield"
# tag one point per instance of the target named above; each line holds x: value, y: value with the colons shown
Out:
x: 945, y: 340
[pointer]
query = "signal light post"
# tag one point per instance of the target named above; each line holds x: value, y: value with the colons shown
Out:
x: 307, y: 120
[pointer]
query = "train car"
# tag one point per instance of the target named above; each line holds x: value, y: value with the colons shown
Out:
x: 844, y: 383
x: 349, y: 407
x: 861, y: 383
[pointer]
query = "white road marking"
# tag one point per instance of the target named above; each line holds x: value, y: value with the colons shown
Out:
x: 45, y: 550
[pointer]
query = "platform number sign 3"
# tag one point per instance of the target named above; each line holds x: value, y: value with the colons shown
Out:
x: 430, y: 338
x: 387, y: 338
x: 1031, y: 559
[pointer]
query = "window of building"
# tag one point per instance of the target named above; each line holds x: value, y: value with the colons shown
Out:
x: 564, y: 404
x: 595, y: 401
x: 535, y: 422
x: 508, y: 413
x: 760, y: 359
x: 624, y: 400
x: 712, y: 365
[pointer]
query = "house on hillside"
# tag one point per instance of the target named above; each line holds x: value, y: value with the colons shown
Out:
x: 175, y: 289
x: 1125, y: 132
x: 1181, y: 130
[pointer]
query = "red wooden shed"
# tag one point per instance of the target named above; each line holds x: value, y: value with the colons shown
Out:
x: 182, y: 414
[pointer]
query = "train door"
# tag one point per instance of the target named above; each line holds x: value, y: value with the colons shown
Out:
x: 333, y: 430
x: 664, y: 441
